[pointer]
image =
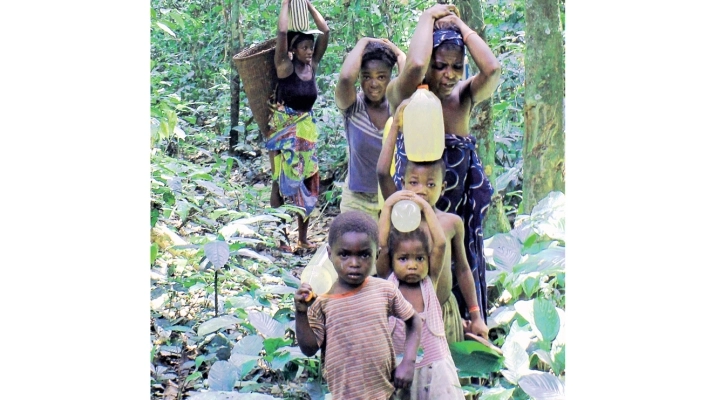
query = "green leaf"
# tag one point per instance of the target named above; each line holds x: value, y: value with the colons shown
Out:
x: 217, y: 323
x: 166, y: 29
x: 241, y: 302
x: 154, y: 215
x: 222, y: 376
x: 546, y: 319
x: 496, y: 393
x: 218, y: 253
x: 505, y: 250
x: 530, y: 285
x: 275, y: 343
x: 193, y: 376
x: 542, y: 386
x: 249, y: 345
x: 266, y: 325
x: 548, y: 261
x: 475, y: 359
x: 517, y: 361
x: 153, y: 253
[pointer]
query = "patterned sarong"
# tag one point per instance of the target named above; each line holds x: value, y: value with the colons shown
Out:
x: 294, y: 136
x: 467, y: 195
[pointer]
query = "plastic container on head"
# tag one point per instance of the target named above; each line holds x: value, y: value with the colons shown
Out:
x: 423, y: 127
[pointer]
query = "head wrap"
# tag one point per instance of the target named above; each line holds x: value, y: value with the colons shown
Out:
x: 447, y: 35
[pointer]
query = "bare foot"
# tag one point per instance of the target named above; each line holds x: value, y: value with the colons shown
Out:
x: 285, y: 248
x: 307, y: 245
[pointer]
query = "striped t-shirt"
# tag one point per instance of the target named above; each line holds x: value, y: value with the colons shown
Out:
x: 352, y: 331
x: 365, y: 142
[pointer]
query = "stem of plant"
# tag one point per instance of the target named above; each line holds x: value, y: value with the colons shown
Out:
x: 216, y: 296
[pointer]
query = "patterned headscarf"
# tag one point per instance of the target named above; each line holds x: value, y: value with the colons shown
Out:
x: 447, y: 35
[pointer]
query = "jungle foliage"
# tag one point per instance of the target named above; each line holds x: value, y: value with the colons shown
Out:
x: 221, y: 292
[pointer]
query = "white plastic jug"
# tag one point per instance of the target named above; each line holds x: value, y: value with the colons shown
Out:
x: 319, y: 272
x: 423, y: 127
x: 405, y: 215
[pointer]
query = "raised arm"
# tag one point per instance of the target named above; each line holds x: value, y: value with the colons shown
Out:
x: 304, y: 334
x: 384, y: 263
x: 387, y: 185
x: 464, y: 277
x: 345, y: 91
x: 418, y: 55
x: 398, y: 53
x: 437, y: 251
x: 484, y: 83
x: 322, y: 41
x: 283, y: 64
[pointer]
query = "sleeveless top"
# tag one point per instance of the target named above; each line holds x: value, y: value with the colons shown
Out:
x: 432, y: 341
x: 364, y: 142
x: 296, y: 93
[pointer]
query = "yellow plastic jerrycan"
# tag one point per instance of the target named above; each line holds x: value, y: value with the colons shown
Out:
x: 319, y: 272
x: 423, y: 126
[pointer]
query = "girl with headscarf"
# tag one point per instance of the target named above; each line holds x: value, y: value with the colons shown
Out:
x: 436, y: 57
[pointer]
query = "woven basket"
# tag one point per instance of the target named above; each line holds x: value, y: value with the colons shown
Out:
x: 299, y: 16
x: 256, y: 67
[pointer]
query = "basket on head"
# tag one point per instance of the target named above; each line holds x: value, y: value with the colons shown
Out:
x: 256, y: 66
x: 299, y: 16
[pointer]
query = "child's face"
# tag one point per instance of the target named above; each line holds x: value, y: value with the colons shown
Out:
x: 426, y: 181
x: 374, y: 77
x: 410, y: 261
x: 353, y: 255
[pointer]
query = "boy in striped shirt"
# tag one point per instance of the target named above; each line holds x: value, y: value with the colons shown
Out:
x: 350, y: 322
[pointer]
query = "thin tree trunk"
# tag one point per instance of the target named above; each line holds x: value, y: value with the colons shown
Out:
x: 481, y: 127
x: 544, y: 140
x: 236, y: 43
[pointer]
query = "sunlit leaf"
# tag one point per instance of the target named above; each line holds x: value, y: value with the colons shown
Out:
x: 255, y: 255
x: 218, y: 252
x: 223, y: 395
x: 249, y: 345
x: 517, y: 360
x: 501, y: 316
x: 166, y: 29
x: 496, y: 393
x: 217, y: 323
x: 266, y: 325
x: 542, y: 386
x: 546, y: 319
x: 548, y: 261
x: 505, y: 249
x: 153, y: 253
x: 211, y: 187
x: 222, y: 376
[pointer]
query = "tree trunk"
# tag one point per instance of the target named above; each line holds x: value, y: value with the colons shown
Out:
x: 544, y: 140
x: 236, y: 43
x: 481, y: 127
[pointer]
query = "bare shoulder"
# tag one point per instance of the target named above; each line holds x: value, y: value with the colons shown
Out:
x: 449, y: 223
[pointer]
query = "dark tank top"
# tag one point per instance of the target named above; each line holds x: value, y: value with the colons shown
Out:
x: 296, y: 93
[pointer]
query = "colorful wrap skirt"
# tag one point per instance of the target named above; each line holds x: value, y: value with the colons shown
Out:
x: 294, y: 136
x: 467, y: 195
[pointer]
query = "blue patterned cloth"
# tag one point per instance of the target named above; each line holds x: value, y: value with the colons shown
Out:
x: 467, y: 195
x: 447, y: 35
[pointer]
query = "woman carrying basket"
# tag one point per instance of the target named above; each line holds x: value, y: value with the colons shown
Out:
x: 293, y: 134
